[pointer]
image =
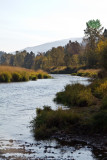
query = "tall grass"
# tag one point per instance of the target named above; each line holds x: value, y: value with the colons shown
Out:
x: 49, y: 121
x: 99, y: 88
x: 93, y: 73
x: 71, y: 121
x: 80, y: 95
x: 75, y: 95
x: 100, y: 122
x: 17, y: 74
x: 5, y: 77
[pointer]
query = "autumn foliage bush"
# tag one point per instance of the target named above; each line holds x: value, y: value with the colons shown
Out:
x: 75, y: 95
x: 17, y: 74
x: 5, y: 77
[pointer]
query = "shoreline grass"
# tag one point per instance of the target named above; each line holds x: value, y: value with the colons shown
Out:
x: 75, y: 95
x: 87, y: 112
x: 84, y: 121
x: 93, y: 73
x: 17, y: 74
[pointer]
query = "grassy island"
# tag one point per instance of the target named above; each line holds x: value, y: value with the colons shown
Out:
x: 18, y: 74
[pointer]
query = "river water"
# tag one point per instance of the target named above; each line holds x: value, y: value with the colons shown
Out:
x: 18, y: 103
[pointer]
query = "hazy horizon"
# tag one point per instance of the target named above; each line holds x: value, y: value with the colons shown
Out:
x: 46, y: 43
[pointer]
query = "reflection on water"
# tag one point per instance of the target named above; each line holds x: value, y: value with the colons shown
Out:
x: 18, y: 102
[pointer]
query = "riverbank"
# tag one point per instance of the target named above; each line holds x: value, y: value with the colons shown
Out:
x: 64, y: 70
x: 85, y: 119
x: 15, y: 149
x: 92, y: 73
x: 17, y: 74
x: 96, y: 140
x: 78, y: 127
x: 76, y: 71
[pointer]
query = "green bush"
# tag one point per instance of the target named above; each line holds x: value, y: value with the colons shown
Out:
x: 5, y: 77
x: 100, y: 122
x: 40, y: 76
x: 74, y: 74
x: 75, y: 95
x: 43, y: 132
x: 25, y: 76
x: 16, y: 77
x: 85, y: 98
x: 33, y: 77
x: 51, y: 121
x: 104, y: 103
x: 99, y: 88
x: 45, y: 76
x: 79, y: 74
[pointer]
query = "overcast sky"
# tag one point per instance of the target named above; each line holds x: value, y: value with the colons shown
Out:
x: 25, y: 23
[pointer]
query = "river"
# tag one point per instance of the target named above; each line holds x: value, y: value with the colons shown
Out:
x: 18, y: 103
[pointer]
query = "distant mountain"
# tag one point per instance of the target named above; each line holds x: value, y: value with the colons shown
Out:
x: 47, y: 46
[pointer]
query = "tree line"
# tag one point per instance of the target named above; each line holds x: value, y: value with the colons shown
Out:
x: 73, y: 55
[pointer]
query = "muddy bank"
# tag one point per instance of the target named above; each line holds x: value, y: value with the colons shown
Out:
x: 97, y: 142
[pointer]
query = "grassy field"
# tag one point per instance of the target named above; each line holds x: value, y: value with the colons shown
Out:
x: 17, y: 74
